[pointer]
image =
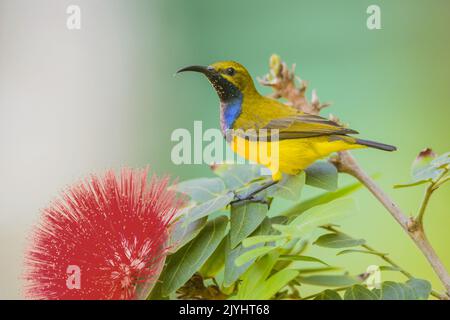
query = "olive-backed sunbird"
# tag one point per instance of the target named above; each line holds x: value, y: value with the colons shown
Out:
x: 302, y: 138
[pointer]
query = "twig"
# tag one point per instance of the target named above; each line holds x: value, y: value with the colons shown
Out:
x: 428, y: 192
x: 282, y: 80
x: 424, y: 204
x: 440, y: 183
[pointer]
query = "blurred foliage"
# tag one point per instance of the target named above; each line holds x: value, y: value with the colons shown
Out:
x: 225, y: 248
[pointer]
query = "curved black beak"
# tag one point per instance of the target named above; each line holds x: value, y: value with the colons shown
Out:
x: 201, y: 69
x: 223, y: 87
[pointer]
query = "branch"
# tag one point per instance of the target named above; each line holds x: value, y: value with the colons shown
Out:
x: 428, y: 192
x: 424, y: 204
x: 387, y: 259
x: 282, y: 81
x: 347, y: 164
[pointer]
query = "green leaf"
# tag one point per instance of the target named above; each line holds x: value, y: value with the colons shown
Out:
x: 427, y: 168
x: 442, y: 160
x: 233, y: 272
x: 183, y: 232
x: 395, y: 291
x: 274, y: 284
x: 201, y: 189
x: 422, y: 288
x: 325, y: 198
x: 210, y: 206
x: 391, y: 291
x: 381, y: 254
x: 338, y: 240
x: 422, y: 160
x: 252, y: 254
x: 389, y: 268
x: 185, y: 262
x: 304, y: 271
x: 428, y: 173
x: 302, y: 258
x: 290, y: 187
x: 215, y: 262
x: 329, y: 280
x: 328, y: 295
x: 323, y: 175
x: 261, y: 239
x: 359, y: 292
x: 245, y: 218
x: 237, y: 175
x: 409, y: 293
x: 317, y: 216
x: 255, y: 276
x: 413, y: 289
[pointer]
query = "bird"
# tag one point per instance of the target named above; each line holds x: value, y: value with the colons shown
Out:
x: 249, y: 119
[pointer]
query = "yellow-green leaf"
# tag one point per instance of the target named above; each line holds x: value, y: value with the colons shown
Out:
x: 252, y: 254
x: 338, y: 240
x: 329, y: 280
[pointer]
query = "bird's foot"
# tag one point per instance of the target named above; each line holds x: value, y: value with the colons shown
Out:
x: 239, y: 199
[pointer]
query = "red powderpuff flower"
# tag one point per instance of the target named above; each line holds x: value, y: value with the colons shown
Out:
x: 105, y: 239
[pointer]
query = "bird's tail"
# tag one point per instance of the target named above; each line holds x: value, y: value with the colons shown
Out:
x: 376, y: 145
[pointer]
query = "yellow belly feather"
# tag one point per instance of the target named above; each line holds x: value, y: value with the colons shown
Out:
x: 288, y: 156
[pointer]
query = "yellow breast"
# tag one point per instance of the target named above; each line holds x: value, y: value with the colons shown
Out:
x: 287, y: 156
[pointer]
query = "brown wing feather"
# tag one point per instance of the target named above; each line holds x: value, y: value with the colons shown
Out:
x: 305, y: 126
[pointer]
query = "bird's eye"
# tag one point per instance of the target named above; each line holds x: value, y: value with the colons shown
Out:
x: 230, y: 71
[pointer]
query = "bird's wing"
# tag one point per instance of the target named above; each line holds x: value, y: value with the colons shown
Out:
x: 301, y: 126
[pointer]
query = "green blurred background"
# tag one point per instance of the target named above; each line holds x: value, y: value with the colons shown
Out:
x: 109, y: 95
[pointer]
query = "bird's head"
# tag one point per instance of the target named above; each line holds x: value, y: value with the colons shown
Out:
x: 228, y: 78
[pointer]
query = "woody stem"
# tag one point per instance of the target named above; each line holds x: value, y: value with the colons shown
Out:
x: 414, y: 228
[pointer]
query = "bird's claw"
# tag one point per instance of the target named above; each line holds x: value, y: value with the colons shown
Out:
x: 252, y: 198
